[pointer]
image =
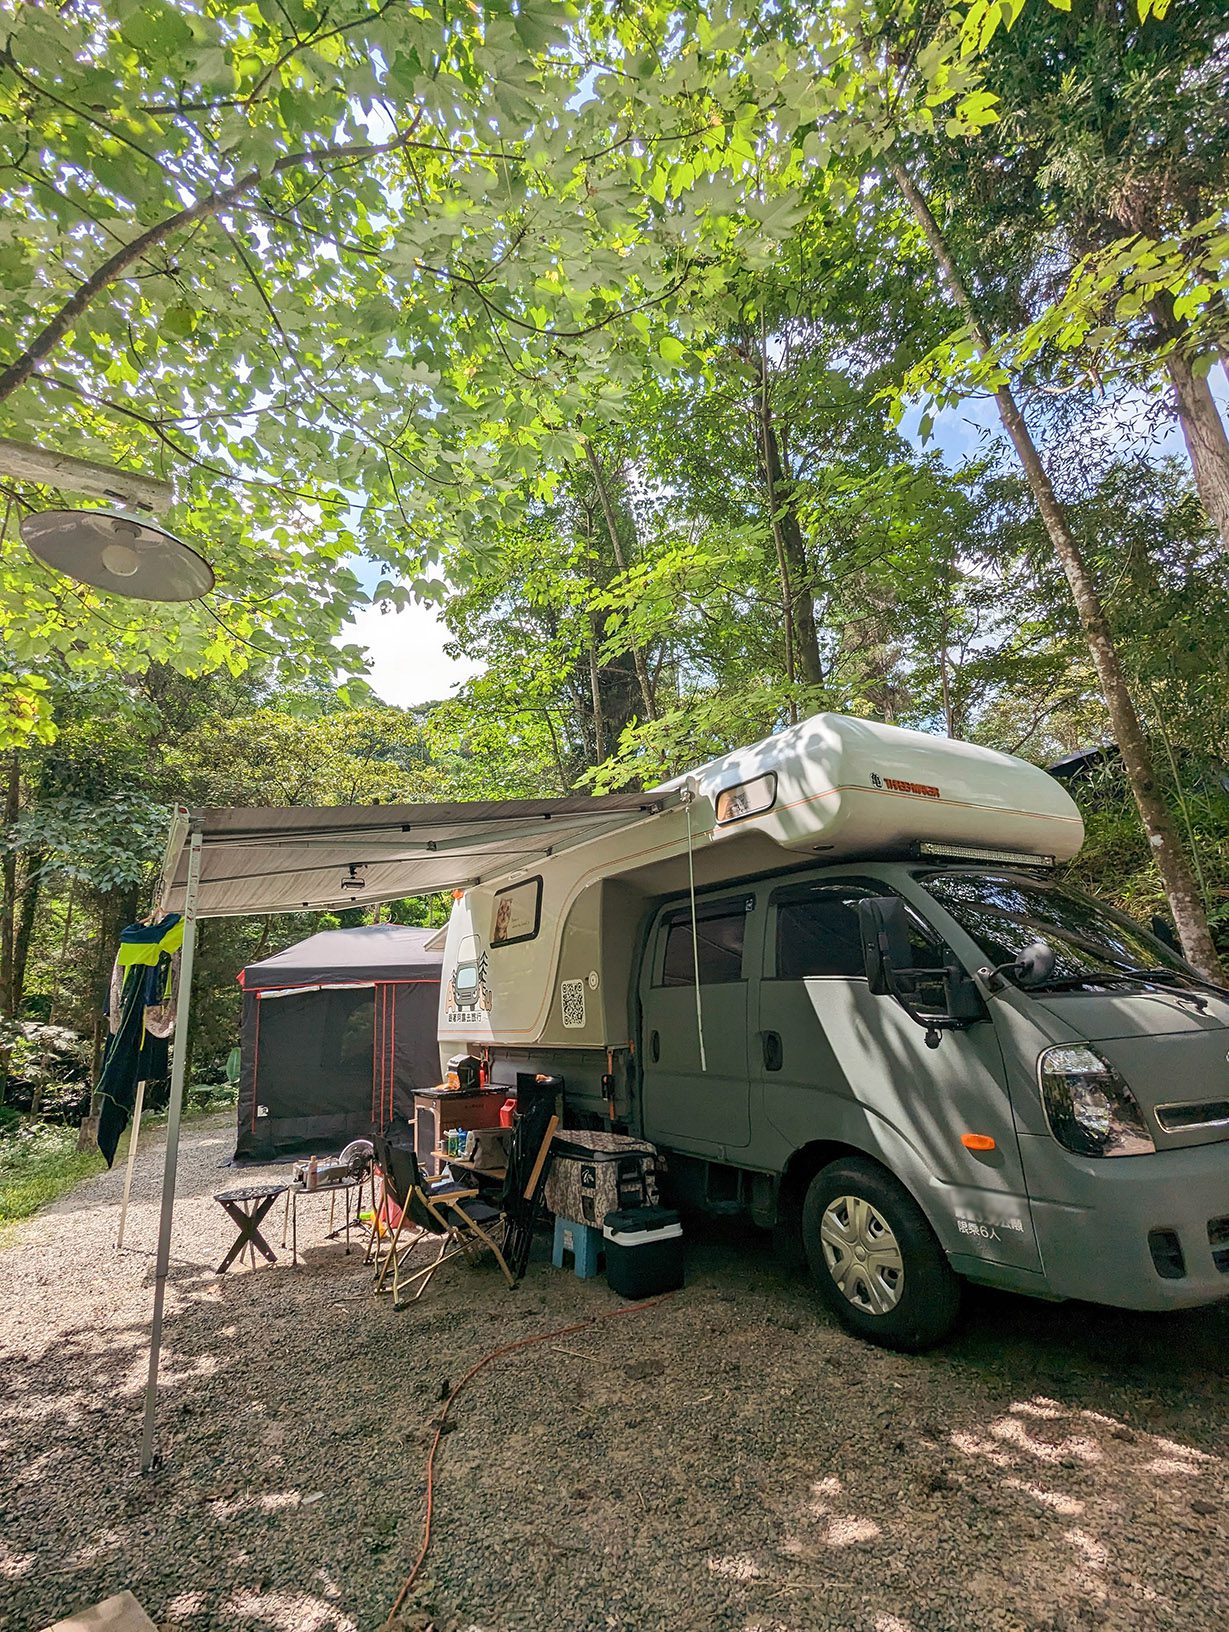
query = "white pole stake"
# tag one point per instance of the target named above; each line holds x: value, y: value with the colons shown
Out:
x: 132, y: 1161
x: 178, y: 1067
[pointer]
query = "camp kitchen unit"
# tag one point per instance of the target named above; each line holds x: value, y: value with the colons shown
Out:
x: 834, y: 977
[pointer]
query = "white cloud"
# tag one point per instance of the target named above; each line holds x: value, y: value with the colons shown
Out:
x: 408, y: 661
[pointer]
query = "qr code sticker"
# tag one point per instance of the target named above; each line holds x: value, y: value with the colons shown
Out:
x: 573, y: 994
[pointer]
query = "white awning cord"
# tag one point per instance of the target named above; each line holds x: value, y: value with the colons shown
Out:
x: 695, y: 934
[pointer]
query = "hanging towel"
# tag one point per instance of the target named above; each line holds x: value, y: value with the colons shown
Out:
x: 140, y: 1019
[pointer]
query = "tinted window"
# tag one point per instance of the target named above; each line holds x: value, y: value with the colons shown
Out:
x: 747, y: 799
x: 1004, y: 912
x: 720, y: 932
x: 819, y: 936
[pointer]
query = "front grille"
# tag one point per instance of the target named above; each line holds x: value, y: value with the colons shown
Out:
x: 1205, y: 1113
x: 1167, y: 1257
x: 1218, y: 1240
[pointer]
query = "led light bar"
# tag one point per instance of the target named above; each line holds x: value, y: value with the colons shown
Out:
x: 957, y: 852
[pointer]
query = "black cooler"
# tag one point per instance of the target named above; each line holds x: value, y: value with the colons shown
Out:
x: 644, y: 1251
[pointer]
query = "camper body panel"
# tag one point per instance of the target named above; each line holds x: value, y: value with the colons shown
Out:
x: 845, y: 785
x: 832, y: 785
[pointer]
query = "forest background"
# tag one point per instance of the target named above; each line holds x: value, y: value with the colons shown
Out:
x: 633, y: 339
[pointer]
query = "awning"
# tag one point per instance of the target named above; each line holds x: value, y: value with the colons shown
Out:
x: 302, y: 858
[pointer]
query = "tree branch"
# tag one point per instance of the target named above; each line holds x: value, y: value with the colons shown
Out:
x: 20, y: 370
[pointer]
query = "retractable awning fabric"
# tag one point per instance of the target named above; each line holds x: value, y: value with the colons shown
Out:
x: 302, y: 858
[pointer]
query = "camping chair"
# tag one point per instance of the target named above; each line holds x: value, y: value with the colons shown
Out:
x: 448, y: 1213
x: 528, y: 1161
x: 388, y: 1206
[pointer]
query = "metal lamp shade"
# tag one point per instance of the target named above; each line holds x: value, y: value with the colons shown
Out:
x: 122, y: 554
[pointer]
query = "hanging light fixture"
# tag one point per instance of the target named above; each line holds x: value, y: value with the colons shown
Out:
x: 123, y: 554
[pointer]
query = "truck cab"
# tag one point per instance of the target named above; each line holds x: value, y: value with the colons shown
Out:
x: 1048, y: 1124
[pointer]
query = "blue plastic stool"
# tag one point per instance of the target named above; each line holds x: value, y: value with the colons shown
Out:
x: 582, y: 1241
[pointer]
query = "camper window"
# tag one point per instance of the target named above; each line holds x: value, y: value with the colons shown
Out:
x: 518, y: 912
x: 745, y: 799
x: 720, y: 930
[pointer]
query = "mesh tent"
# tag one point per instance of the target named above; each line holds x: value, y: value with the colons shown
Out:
x: 337, y: 1033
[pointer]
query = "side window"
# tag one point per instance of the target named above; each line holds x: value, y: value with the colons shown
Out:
x: 819, y: 935
x: 720, y: 931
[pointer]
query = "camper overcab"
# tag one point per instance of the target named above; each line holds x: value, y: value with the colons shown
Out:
x: 835, y: 978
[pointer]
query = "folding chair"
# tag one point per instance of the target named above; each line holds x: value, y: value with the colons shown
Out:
x: 454, y: 1217
x: 528, y: 1162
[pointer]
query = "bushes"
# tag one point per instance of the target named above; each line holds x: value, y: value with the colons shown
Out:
x: 48, y: 1070
x: 38, y: 1162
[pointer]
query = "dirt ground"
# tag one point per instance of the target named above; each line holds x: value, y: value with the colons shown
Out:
x: 728, y: 1459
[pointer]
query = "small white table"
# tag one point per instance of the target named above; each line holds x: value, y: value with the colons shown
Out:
x: 345, y: 1188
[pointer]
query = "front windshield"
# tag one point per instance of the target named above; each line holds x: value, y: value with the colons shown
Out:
x: 1005, y: 912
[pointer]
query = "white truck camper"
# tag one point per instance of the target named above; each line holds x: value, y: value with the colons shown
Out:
x: 835, y: 977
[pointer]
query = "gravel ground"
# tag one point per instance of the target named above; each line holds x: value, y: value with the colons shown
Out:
x: 728, y: 1459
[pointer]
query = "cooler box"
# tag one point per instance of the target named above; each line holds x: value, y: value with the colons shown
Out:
x: 644, y: 1251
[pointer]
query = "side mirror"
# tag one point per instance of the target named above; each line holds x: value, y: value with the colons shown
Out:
x: 884, y: 930
x: 1035, y: 964
x: 1164, y: 931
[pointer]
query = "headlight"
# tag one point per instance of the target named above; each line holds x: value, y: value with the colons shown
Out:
x: 1090, y: 1108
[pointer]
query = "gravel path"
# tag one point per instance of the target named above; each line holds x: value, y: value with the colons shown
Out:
x: 728, y: 1460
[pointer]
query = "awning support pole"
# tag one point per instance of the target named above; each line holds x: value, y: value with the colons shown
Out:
x: 132, y: 1161
x: 179, y: 1066
x: 688, y: 796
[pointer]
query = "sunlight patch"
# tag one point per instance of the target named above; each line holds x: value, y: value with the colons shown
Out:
x: 850, y: 1532
x: 1068, y: 1506
x: 290, y: 1612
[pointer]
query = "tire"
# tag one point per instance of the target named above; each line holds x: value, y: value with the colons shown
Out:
x: 860, y: 1226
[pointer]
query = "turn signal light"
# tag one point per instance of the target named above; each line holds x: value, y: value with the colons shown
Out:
x: 977, y: 1141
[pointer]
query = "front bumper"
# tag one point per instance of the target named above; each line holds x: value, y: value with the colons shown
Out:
x: 1094, y: 1241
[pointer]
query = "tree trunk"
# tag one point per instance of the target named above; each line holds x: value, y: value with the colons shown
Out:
x: 802, y: 640
x: 1203, y: 431
x: 8, y: 889
x: 31, y: 887
x: 595, y: 690
x: 612, y: 531
x: 1172, y: 861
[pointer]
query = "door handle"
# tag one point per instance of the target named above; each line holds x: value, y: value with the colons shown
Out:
x: 654, y: 1047
x: 773, y: 1053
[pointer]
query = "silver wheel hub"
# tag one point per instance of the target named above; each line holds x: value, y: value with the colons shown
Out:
x: 862, y: 1254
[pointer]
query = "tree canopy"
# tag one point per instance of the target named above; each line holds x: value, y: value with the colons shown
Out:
x: 640, y: 339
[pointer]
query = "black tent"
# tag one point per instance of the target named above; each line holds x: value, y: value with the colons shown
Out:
x: 338, y: 1032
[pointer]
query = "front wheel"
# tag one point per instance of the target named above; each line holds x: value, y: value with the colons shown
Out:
x: 875, y: 1260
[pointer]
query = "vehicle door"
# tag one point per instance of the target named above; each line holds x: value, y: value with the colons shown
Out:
x: 689, y: 1103
x: 839, y: 1063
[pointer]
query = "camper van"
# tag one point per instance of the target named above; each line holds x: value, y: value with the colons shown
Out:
x: 837, y: 979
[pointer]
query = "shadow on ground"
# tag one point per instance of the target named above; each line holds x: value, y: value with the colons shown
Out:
x: 727, y: 1459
